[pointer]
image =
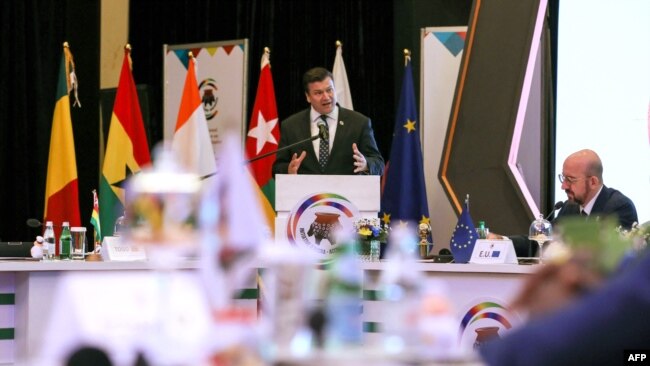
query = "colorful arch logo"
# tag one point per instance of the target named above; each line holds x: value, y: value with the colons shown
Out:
x: 315, y: 219
x: 485, y: 315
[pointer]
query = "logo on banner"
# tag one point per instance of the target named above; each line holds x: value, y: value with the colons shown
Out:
x: 208, y: 90
x: 484, y: 319
x: 314, y: 221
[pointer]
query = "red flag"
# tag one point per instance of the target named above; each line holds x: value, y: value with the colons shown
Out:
x: 263, y: 137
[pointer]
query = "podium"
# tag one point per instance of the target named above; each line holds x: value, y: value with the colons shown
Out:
x: 311, y: 208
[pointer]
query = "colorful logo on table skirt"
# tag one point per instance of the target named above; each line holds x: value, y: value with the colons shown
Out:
x: 208, y: 91
x: 484, y: 319
x: 315, y: 220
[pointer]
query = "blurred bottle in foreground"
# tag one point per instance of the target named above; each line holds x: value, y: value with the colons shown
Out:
x: 401, y: 286
x: 343, y: 300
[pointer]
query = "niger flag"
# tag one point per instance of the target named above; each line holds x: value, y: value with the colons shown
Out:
x: 263, y: 137
x: 127, y: 150
x: 61, y: 187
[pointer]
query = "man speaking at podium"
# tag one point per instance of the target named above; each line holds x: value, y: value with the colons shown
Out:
x: 345, y: 143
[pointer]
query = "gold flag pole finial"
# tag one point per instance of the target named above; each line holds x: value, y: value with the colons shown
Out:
x: 407, y: 56
x: 266, y: 58
x: 190, y: 54
x: 70, y: 75
x: 338, y: 43
x: 467, y: 201
x: 127, y: 49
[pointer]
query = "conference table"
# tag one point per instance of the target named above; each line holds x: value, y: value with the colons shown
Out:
x: 479, y: 294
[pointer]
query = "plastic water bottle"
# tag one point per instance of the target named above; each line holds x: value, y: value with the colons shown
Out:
x: 375, y: 248
x: 65, y: 242
x: 343, y: 311
x: 401, y: 288
x: 49, y: 244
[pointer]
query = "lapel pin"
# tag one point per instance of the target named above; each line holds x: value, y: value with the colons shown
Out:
x: 341, y: 123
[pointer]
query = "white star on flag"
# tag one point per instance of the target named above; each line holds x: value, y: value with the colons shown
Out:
x: 262, y: 132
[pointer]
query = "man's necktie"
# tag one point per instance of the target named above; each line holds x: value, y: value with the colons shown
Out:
x: 324, y: 148
x: 583, y: 213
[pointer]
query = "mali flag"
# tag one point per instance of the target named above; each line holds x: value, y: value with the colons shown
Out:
x: 61, y: 187
x: 404, y: 198
x: 127, y: 150
x: 263, y: 137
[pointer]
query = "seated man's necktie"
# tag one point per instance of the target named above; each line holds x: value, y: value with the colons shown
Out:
x: 324, y: 148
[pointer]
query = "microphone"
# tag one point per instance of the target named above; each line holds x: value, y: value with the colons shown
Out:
x: 34, y: 223
x: 258, y: 157
x: 558, y: 205
x: 323, y: 131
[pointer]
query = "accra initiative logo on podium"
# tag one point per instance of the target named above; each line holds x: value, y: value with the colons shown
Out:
x: 485, y: 318
x: 315, y: 220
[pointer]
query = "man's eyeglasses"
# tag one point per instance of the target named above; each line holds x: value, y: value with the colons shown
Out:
x: 569, y: 180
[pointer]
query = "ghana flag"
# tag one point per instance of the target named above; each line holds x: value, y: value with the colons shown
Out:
x: 127, y: 150
x: 61, y: 187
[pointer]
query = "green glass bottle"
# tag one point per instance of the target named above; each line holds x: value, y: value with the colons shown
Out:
x: 482, y: 230
x: 65, y: 242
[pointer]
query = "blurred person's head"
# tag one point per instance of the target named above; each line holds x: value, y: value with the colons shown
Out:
x: 582, y: 176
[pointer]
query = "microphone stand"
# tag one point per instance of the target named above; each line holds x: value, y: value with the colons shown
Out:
x: 312, y: 138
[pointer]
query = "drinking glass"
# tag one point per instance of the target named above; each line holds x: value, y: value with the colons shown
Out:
x: 540, y: 231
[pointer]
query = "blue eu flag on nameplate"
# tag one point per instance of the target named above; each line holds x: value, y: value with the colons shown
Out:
x: 463, y: 238
x: 404, y: 197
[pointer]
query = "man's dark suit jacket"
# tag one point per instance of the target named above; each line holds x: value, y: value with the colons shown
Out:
x: 592, y: 331
x: 609, y: 203
x: 353, y: 127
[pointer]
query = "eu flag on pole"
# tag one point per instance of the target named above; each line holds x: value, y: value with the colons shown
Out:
x: 404, y: 197
x: 464, y: 237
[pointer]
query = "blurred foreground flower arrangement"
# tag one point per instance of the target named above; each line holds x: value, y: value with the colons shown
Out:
x: 639, y: 235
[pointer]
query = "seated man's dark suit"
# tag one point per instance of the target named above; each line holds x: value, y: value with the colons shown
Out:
x: 352, y: 127
x: 609, y: 203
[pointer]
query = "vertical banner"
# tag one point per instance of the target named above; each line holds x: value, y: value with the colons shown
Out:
x: 442, y: 51
x: 222, y: 80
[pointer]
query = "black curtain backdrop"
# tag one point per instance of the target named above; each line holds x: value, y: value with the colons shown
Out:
x: 300, y: 34
x: 33, y: 32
